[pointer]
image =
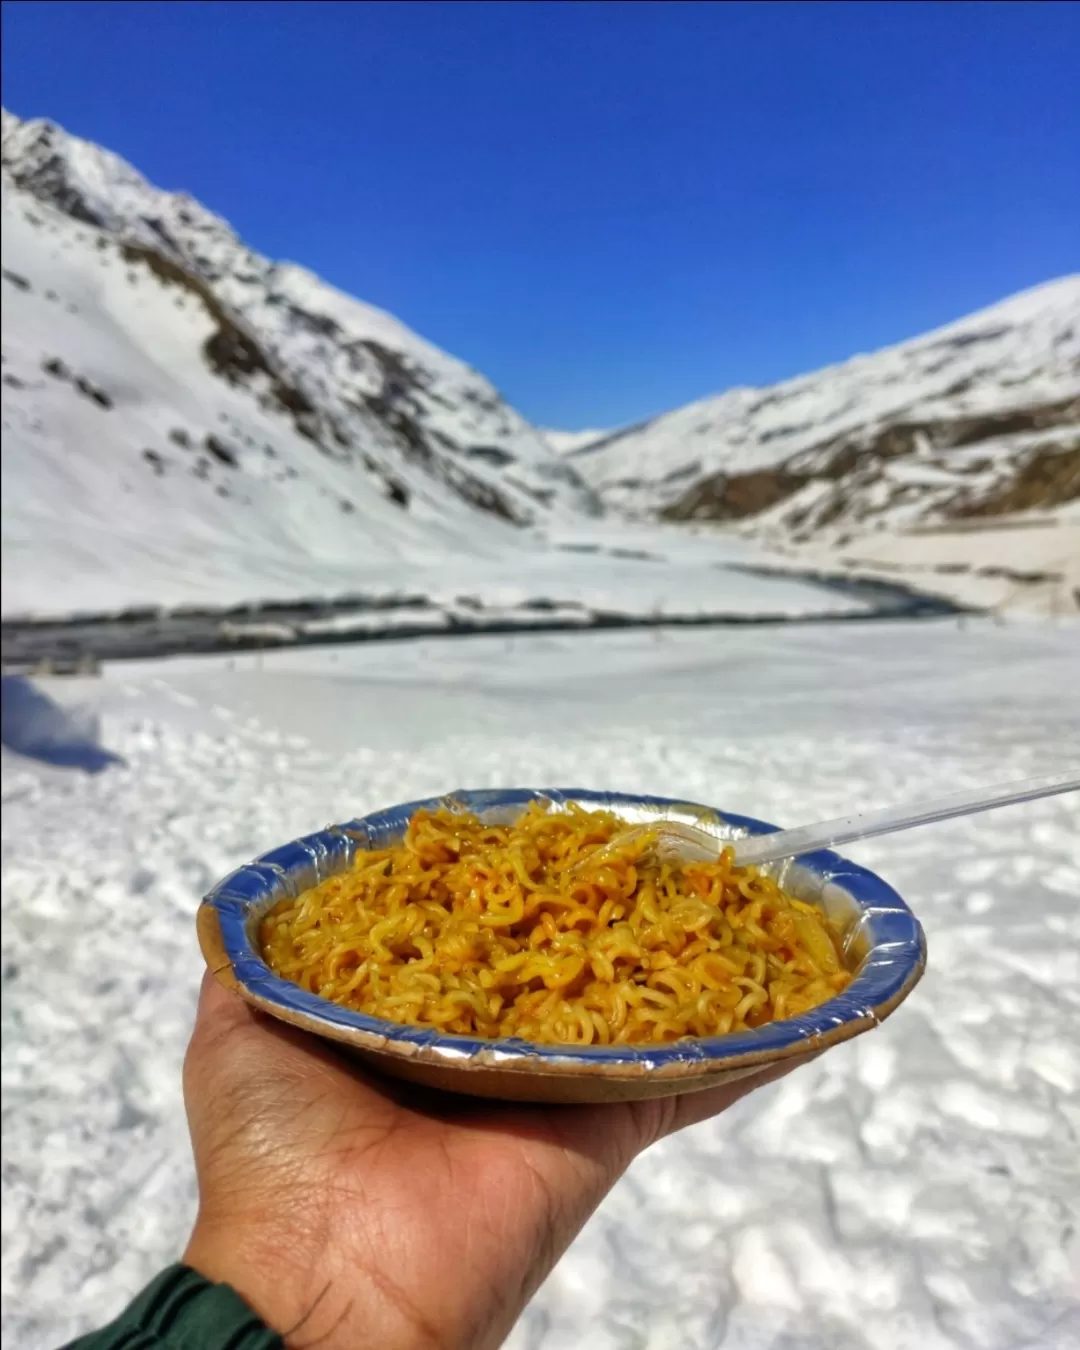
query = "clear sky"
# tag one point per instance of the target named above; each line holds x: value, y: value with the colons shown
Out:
x: 612, y: 208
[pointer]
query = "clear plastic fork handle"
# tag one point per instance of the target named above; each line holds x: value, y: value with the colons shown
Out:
x: 765, y: 848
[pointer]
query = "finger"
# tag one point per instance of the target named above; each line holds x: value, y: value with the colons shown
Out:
x: 695, y: 1107
x: 220, y: 1013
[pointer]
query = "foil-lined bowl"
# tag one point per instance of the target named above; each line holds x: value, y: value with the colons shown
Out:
x: 884, y: 947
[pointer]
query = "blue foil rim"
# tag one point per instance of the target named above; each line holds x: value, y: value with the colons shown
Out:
x: 895, y: 945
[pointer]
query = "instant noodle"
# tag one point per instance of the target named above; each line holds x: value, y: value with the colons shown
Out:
x: 545, y: 930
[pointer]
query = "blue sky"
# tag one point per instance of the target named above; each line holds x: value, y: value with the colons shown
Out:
x: 612, y: 208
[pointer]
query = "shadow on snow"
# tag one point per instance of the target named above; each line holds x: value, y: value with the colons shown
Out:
x: 31, y: 724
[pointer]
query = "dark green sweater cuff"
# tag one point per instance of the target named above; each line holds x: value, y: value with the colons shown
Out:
x: 181, y: 1310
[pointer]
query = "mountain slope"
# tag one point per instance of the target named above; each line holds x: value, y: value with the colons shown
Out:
x: 171, y: 391
x: 977, y: 418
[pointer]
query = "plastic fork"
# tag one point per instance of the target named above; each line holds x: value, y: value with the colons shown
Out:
x: 676, y: 841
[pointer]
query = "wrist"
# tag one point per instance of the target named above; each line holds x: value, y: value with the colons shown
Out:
x: 277, y: 1283
x: 304, y: 1291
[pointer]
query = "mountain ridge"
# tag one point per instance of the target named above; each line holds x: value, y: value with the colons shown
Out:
x: 979, y: 416
x: 357, y: 378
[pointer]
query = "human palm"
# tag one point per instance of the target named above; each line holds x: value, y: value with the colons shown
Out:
x: 352, y: 1211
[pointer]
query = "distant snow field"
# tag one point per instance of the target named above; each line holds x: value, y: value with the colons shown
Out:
x: 1028, y: 563
x: 918, y: 1189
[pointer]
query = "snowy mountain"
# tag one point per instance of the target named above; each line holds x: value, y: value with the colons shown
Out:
x: 187, y: 423
x: 976, y: 419
x: 173, y: 392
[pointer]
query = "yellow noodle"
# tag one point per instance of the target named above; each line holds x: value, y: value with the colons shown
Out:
x: 516, y: 930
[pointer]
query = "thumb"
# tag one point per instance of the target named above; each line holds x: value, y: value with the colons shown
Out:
x: 225, y: 1040
x: 235, y: 1048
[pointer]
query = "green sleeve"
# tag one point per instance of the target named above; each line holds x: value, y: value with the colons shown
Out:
x: 181, y: 1310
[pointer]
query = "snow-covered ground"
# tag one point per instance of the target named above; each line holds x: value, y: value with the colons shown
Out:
x: 1029, y: 563
x: 918, y: 1189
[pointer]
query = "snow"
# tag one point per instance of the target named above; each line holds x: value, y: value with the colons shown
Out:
x: 1024, y: 564
x: 917, y: 1189
x: 567, y: 442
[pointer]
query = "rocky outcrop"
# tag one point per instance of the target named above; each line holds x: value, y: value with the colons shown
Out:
x: 1040, y: 473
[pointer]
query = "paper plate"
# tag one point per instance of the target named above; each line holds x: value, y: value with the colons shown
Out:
x: 884, y: 946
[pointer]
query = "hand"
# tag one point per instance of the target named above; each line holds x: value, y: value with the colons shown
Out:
x: 354, y: 1212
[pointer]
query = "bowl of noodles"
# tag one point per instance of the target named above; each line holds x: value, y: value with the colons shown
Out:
x: 531, y: 944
